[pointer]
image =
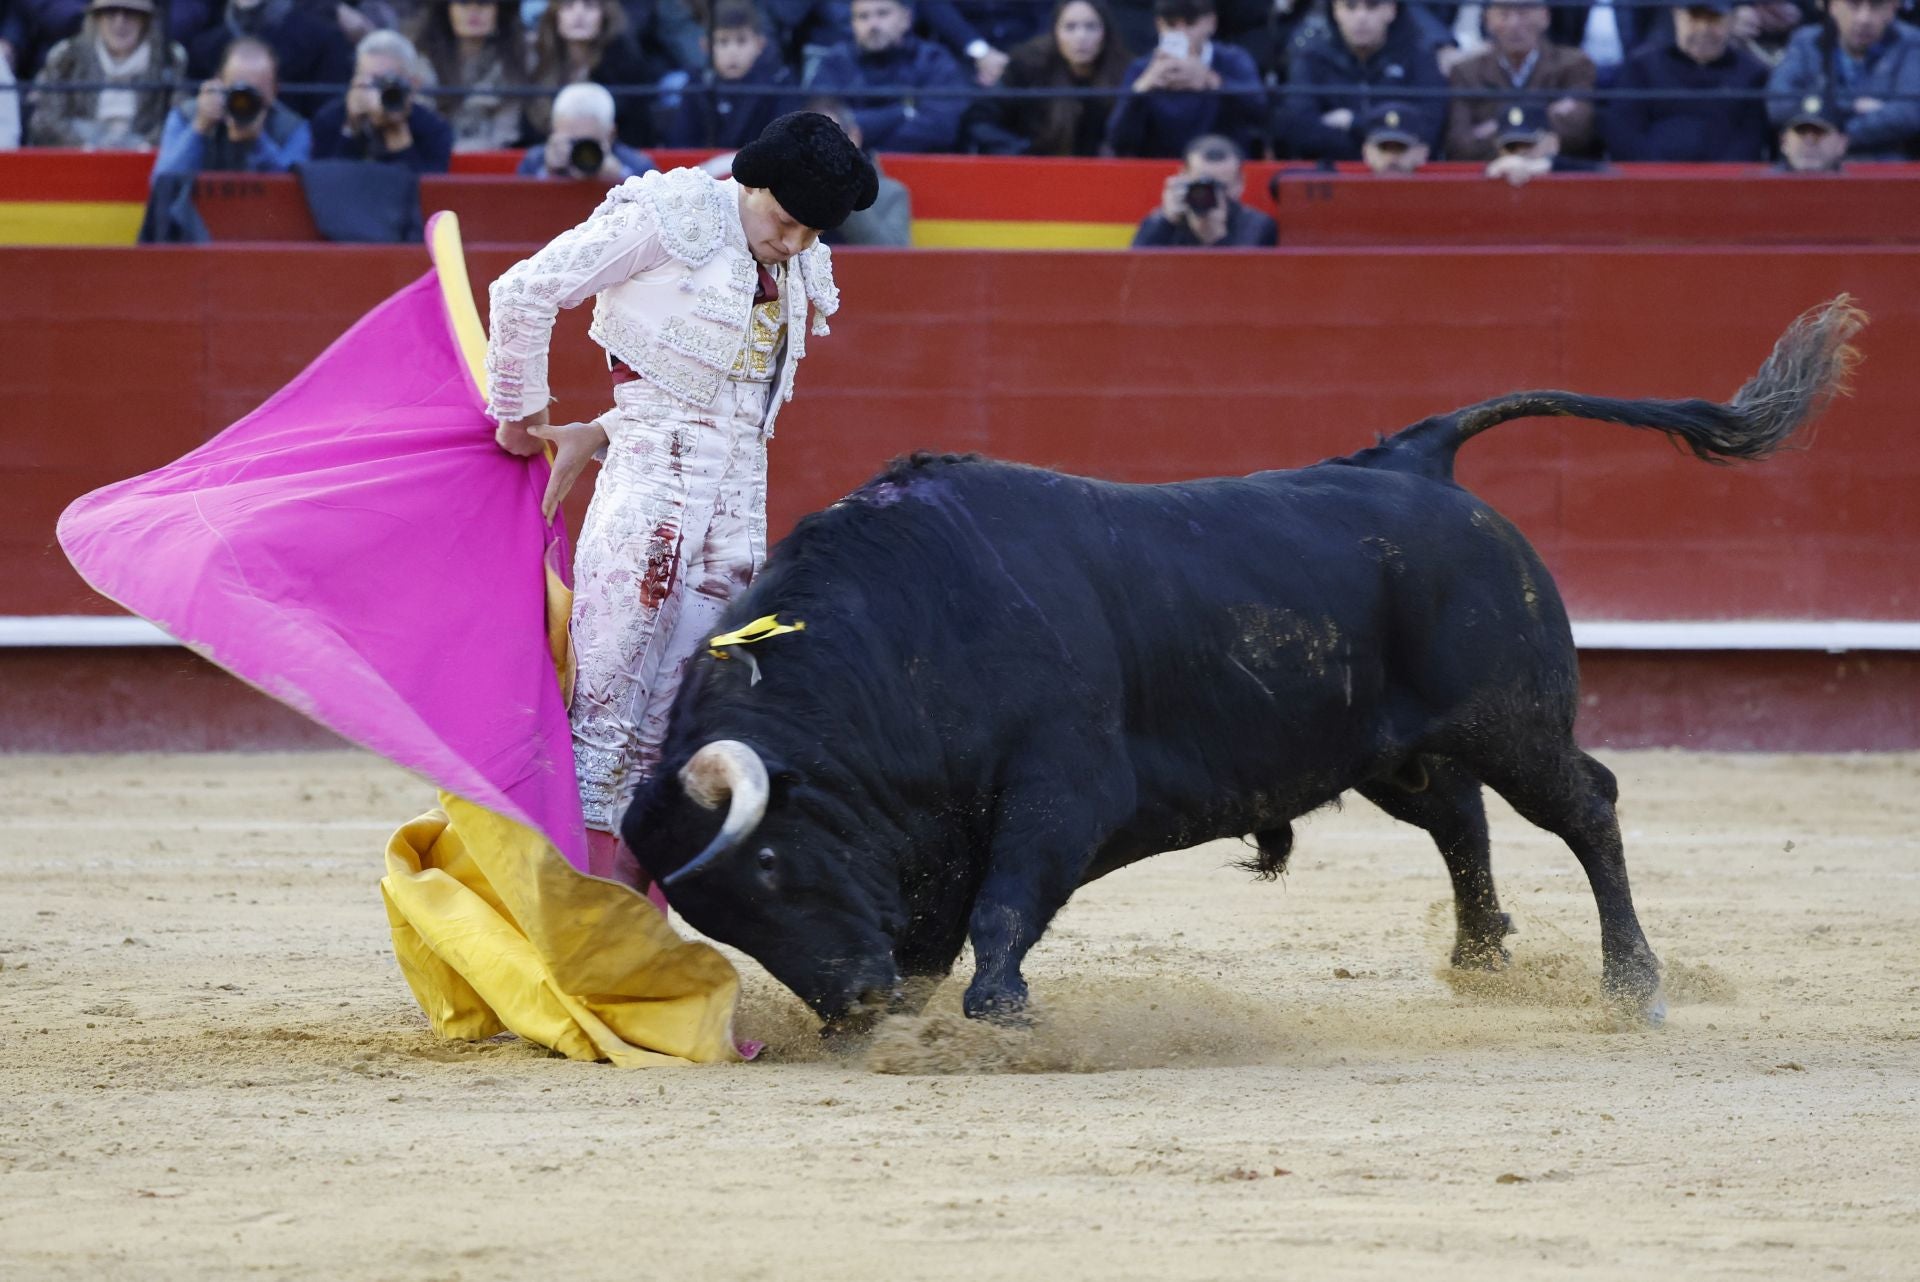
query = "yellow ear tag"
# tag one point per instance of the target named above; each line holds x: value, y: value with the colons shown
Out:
x: 759, y: 630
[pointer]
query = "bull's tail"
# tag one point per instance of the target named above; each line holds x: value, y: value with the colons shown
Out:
x: 1808, y: 368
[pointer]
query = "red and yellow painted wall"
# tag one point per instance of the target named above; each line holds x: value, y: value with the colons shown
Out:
x: 975, y: 202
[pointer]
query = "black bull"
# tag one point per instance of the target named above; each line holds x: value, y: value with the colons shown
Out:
x: 1013, y: 681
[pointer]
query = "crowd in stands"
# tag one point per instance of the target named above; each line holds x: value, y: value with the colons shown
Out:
x: 1521, y: 86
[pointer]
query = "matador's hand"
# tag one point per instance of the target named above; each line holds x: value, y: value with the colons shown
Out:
x: 574, y: 445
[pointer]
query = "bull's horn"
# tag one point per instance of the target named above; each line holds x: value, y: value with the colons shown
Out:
x: 725, y: 770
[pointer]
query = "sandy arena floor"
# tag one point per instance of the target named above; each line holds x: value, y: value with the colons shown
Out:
x: 210, y: 1067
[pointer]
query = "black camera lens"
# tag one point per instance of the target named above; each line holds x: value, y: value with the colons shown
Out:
x: 395, y: 93
x: 244, y: 104
x: 586, y: 156
x: 1203, y: 195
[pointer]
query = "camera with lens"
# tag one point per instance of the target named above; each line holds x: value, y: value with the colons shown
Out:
x: 394, y: 92
x: 585, y: 156
x: 244, y: 103
x: 1204, y: 195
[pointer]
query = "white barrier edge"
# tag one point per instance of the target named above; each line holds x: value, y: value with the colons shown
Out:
x: 1834, y: 636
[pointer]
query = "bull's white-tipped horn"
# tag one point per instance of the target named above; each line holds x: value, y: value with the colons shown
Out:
x: 725, y: 770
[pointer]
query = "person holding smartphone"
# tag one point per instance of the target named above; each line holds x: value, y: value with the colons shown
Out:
x: 1200, y: 205
x: 1187, y: 87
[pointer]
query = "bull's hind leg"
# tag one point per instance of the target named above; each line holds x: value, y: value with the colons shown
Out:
x: 1571, y: 795
x: 1450, y: 809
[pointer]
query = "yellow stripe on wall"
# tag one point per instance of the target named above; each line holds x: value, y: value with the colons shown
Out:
x: 69, y: 222
x: 977, y: 233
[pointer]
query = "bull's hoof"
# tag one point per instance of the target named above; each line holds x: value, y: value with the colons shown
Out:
x: 1479, y: 948
x: 1481, y: 954
x: 1008, y: 1009
x: 1637, y: 993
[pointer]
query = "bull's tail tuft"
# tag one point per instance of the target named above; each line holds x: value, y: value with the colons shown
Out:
x: 1810, y: 365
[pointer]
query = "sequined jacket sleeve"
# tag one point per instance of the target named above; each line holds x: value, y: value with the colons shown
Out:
x: 619, y: 240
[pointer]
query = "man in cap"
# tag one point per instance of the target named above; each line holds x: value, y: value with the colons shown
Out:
x: 1393, y: 139
x: 1526, y: 145
x: 1701, y: 56
x: 1200, y: 206
x: 1864, y: 64
x: 705, y: 293
x: 1814, y: 139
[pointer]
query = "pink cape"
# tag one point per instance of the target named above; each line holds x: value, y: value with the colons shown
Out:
x: 361, y: 550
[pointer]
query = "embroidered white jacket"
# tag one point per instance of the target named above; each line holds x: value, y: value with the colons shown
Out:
x: 681, y: 229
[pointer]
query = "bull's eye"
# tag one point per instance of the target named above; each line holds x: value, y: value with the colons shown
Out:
x: 766, y: 859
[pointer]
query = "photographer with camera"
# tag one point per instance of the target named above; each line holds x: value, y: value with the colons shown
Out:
x: 1200, y: 206
x: 583, y: 144
x: 237, y: 122
x: 381, y: 119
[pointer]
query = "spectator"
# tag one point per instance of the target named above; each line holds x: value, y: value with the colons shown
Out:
x: 1080, y: 50
x: 309, y: 50
x: 119, y: 43
x: 885, y: 53
x: 1863, y: 60
x: 1391, y: 141
x: 1700, y: 56
x: 1527, y: 146
x: 669, y: 35
x: 889, y: 220
x: 586, y: 41
x: 380, y: 118
x: 1200, y: 205
x: 477, y: 45
x: 1374, y: 51
x: 715, y: 113
x: 1190, y: 85
x: 584, y: 143
x: 982, y: 32
x: 1813, y: 140
x: 1518, y: 57
x: 237, y: 122
x: 9, y: 108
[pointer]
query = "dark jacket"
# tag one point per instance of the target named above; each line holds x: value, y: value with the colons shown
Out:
x: 1162, y: 124
x: 916, y: 123
x: 430, y: 153
x: 1052, y: 126
x: 1678, y: 129
x: 1404, y: 61
x: 308, y: 46
x: 1813, y: 66
x: 714, y: 113
x: 1001, y: 23
x: 803, y: 24
x: 1245, y: 227
x: 1558, y: 68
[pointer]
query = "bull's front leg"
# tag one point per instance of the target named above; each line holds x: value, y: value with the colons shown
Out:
x: 1041, y: 848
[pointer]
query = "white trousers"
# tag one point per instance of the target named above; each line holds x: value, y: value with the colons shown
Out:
x: 677, y: 527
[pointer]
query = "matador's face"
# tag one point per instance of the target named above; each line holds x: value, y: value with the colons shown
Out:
x: 773, y: 234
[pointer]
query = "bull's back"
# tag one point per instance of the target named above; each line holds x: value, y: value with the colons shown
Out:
x: 1305, y: 625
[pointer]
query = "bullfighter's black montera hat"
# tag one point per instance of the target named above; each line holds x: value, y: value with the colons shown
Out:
x: 812, y: 168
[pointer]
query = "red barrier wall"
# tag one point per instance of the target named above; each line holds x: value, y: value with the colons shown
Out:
x: 1139, y: 367
x: 168, y: 700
